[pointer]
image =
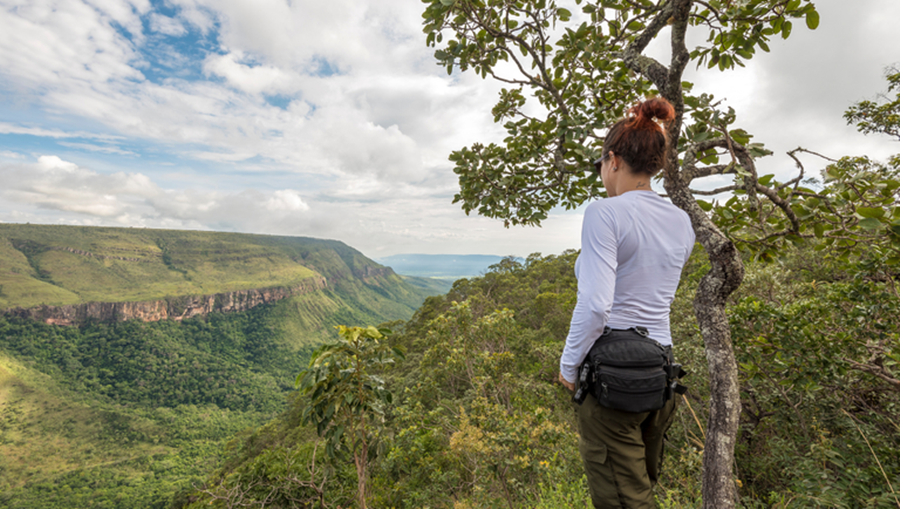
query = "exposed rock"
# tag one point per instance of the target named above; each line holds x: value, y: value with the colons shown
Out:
x: 172, y: 308
x: 101, y: 257
x: 368, y: 272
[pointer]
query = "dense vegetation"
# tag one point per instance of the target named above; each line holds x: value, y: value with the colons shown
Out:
x: 477, y: 420
x: 109, y: 413
x: 138, y: 414
x: 569, y: 71
x: 129, y: 414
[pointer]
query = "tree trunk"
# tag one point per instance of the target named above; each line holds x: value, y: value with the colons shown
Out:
x: 725, y: 401
x: 360, y: 458
x: 725, y: 275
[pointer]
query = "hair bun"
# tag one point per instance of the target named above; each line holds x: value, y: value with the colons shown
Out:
x: 655, y: 108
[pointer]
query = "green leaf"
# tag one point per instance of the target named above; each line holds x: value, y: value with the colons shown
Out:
x: 448, y: 3
x: 741, y: 136
x: 820, y: 230
x: 786, y: 29
x: 812, y: 20
x: 870, y: 212
x: 705, y: 205
x: 870, y: 223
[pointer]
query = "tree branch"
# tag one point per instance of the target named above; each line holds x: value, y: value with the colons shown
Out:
x: 691, y: 171
x: 680, y: 54
x: 715, y: 191
x: 634, y: 58
x: 708, y: 171
x: 782, y: 204
x: 878, y: 371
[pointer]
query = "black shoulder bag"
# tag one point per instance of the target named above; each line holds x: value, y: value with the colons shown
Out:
x: 627, y: 370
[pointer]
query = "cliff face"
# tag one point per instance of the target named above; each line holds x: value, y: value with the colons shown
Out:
x: 368, y: 272
x: 173, y: 308
x: 68, y: 275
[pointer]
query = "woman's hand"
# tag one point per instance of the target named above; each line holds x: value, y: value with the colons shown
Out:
x: 567, y: 384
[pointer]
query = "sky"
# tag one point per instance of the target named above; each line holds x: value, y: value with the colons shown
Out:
x: 330, y: 119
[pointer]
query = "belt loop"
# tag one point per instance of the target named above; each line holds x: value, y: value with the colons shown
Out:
x: 606, y: 330
x: 642, y: 331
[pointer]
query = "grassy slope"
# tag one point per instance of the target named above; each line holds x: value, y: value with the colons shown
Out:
x: 431, y: 285
x: 45, y: 430
x: 36, y: 269
x: 62, y: 448
x: 72, y: 431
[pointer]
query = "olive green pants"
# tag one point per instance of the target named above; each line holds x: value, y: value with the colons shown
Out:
x: 622, y: 453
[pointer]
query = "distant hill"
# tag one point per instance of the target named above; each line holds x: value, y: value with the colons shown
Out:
x: 440, y: 266
x: 179, y: 274
x: 179, y: 340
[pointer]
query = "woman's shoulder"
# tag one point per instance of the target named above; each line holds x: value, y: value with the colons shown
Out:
x: 634, y: 204
x: 625, y: 201
x: 607, y: 207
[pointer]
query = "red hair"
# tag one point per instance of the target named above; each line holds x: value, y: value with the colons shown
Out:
x: 639, y: 139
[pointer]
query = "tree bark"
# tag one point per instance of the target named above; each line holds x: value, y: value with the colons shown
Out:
x: 725, y: 275
x: 360, y: 460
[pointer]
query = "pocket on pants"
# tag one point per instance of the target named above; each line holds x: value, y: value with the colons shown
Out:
x: 600, y: 475
x: 592, y: 452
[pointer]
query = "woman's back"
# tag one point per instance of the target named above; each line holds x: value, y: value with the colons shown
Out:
x: 654, y: 240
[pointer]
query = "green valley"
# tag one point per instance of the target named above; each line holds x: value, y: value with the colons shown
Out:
x: 203, y: 411
x: 128, y: 413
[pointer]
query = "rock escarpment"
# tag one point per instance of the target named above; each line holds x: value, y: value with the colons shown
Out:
x: 369, y: 272
x: 171, y: 308
x: 69, y: 275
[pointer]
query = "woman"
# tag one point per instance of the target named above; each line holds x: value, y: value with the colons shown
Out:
x: 633, y: 247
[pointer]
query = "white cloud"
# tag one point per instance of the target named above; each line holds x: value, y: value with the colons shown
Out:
x: 288, y: 200
x: 98, y: 148
x: 166, y: 25
x: 46, y: 43
x: 55, y: 163
x: 59, y: 191
x: 125, y: 13
x: 330, y: 118
x: 7, y: 128
x: 55, y: 184
x: 382, y: 117
x: 250, y: 79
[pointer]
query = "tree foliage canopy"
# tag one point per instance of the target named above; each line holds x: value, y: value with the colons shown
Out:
x: 346, y: 394
x: 571, y: 74
x: 478, y: 421
x: 882, y: 115
x: 584, y: 69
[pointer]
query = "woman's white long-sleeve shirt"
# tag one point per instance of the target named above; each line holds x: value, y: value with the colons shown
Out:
x: 633, y: 248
